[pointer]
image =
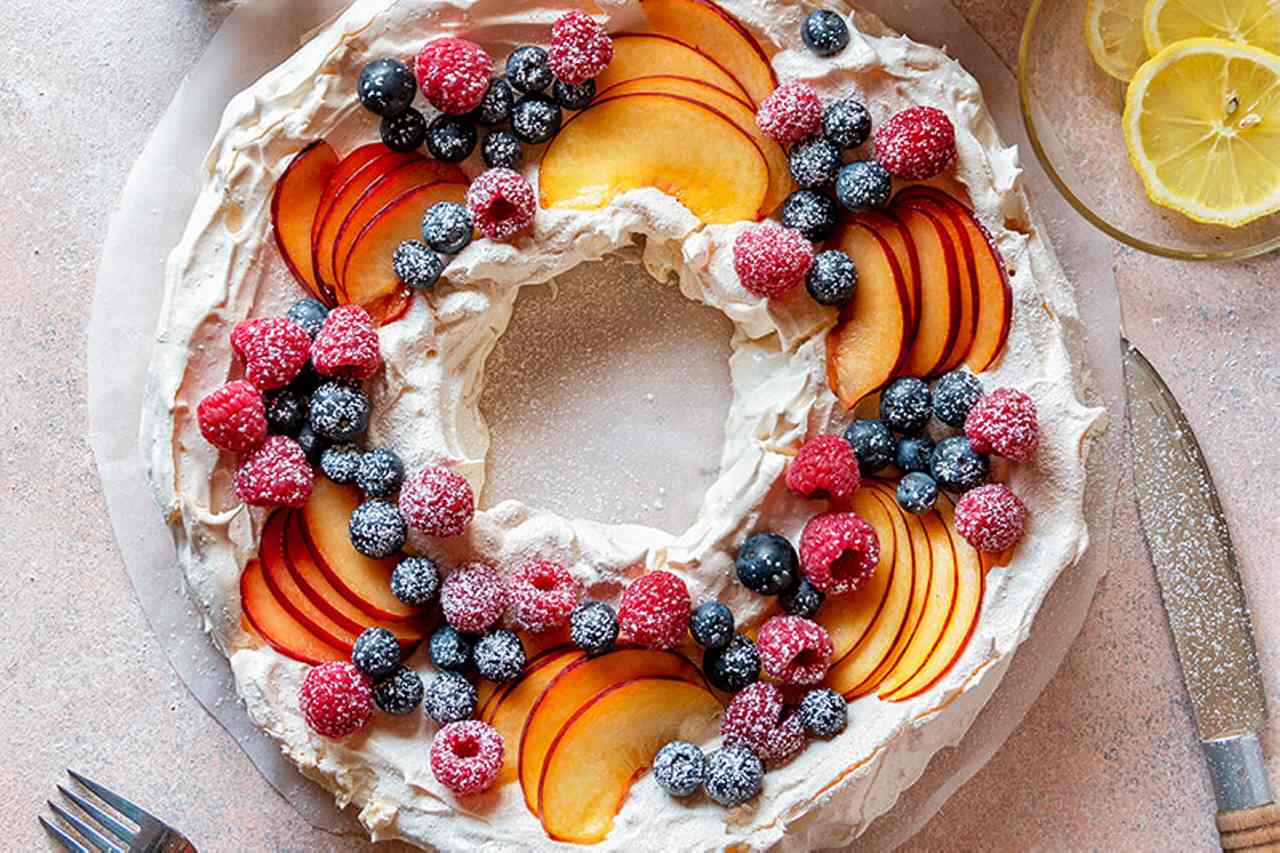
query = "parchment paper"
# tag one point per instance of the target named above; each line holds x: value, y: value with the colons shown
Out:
x: 157, y: 200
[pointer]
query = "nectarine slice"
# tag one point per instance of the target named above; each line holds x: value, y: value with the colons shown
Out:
x: 939, y: 293
x: 510, y: 709
x: 293, y: 210
x: 347, y: 166
x: 848, y: 618
x: 609, y: 742
x: 904, y: 249
x: 275, y: 571
x: 641, y: 54
x: 276, y: 625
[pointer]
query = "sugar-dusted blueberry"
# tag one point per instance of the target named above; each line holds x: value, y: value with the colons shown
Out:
x: 340, y: 462
x: 376, y: 652
x: 957, y: 466
x: 400, y: 692
x: 495, y: 106
x: 679, y: 768
x: 917, y: 492
x: 379, y: 473
x: 499, y: 656
x: 824, y: 712
x: 312, y: 444
x: 286, y: 410
x: 914, y: 452
x: 825, y: 32
x: 446, y: 227
x: 712, y: 625
x: 404, y: 131
x: 574, y: 97
x: 803, y: 599
x: 501, y: 149
x: 528, y: 69
x: 863, y: 184
x: 906, y: 405
x: 846, y: 123
x: 767, y: 564
x: 832, y: 279
x: 451, y: 139
x: 416, y: 265
x: 593, y: 627
x: 734, y: 775
x: 954, y: 394
x: 450, y: 697
x: 813, y: 162
x: 416, y: 580
x: 872, y: 443
x: 449, y: 649
x: 386, y: 87
x: 377, y: 528
x: 309, y: 314
x: 338, y: 412
x: 535, y: 119
x: 735, y: 666
x: 811, y: 213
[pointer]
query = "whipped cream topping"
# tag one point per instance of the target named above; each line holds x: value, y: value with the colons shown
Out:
x: 426, y: 408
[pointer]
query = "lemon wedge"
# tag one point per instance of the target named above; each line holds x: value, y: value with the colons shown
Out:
x: 1113, y: 29
x: 1202, y: 124
x: 1255, y: 22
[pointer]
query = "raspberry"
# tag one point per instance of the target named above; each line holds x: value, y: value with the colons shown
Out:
x: 232, y: 417
x: 838, y: 552
x: 655, y: 610
x: 466, y: 756
x: 274, y: 350
x: 754, y: 719
x: 1004, y: 423
x: 991, y: 518
x: 826, y: 464
x: 916, y: 144
x: 501, y: 202
x: 473, y: 598
x: 336, y: 699
x: 770, y: 260
x: 790, y: 113
x: 437, y: 502
x: 580, y: 48
x: 276, y: 474
x: 542, y: 595
x: 347, y: 345
x: 794, y: 650
x: 453, y: 74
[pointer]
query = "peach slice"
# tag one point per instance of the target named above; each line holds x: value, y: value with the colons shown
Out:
x: 510, y: 708
x: 347, y: 166
x: 275, y: 571
x: 294, y: 204
x: 607, y: 744
x: 640, y: 55
x: 870, y: 342
x: 276, y: 625
x: 939, y: 293
x: 904, y: 249
x: 714, y: 32
x: 848, y: 618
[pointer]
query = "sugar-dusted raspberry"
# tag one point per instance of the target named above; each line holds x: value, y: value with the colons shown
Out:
x: 655, y: 610
x: 466, y: 756
x: 453, y: 74
x: 473, y: 598
x: 770, y: 261
x: 276, y: 474
x: 437, y: 502
x: 838, y: 552
x: 542, y: 595
x: 347, y: 345
x: 991, y: 518
x: 232, y: 417
x: 826, y: 464
x: 916, y: 144
x: 336, y: 699
x: 755, y: 719
x: 580, y: 48
x: 501, y: 202
x: 1004, y: 423
x: 274, y: 350
x: 794, y: 650
x: 790, y: 113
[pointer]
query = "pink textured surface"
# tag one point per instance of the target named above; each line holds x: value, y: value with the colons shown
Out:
x: 1105, y: 760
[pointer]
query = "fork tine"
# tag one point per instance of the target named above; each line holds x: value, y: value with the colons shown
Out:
x: 130, y: 810
x: 115, y: 827
x: 67, y: 842
x: 90, y: 834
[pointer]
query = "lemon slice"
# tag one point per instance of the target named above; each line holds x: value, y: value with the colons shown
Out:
x: 1202, y: 124
x: 1113, y: 29
x: 1255, y: 22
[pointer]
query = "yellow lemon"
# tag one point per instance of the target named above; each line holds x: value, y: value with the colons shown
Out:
x: 1255, y: 22
x: 1113, y: 29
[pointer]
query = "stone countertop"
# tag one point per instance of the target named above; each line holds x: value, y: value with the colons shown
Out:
x: 1106, y: 759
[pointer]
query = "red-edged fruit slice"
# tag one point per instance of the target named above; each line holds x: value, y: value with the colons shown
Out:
x: 642, y: 54
x: 272, y: 622
x: 939, y: 293
x: 849, y: 617
x: 347, y: 166
x: 884, y: 223
x: 508, y: 710
x: 284, y: 586
x: 294, y: 204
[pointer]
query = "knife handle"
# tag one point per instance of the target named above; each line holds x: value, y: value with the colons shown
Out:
x: 1256, y: 830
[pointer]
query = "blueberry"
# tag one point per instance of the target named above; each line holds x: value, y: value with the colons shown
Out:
x: 451, y: 138
x: 415, y: 581
x: 832, y: 278
x: 535, y: 119
x: 679, y: 768
x: 400, y: 693
x: 340, y: 462
x: 312, y: 444
x: 377, y: 528
x: 286, y: 410
x: 450, y: 698
x: 416, y: 265
x: 914, y: 452
x: 499, y: 656
x: 767, y: 564
x: 593, y: 627
x: 404, y: 131
x: 811, y: 213
x: 824, y: 712
x: 917, y: 492
x: 501, y: 150
x: 734, y: 667
x: 495, y: 106
x: 574, y: 97
x: 308, y: 313
x: 825, y: 33
x: 712, y: 625
x: 957, y: 466
x: 528, y: 69
x: 813, y: 163
x: 803, y: 599
x: 906, y: 405
x: 376, y: 652
x: 449, y: 649
x: 734, y: 776
x: 446, y: 227
x: 386, y: 87
x: 846, y: 123
x: 863, y: 184
x: 338, y: 412
x: 872, y: 443
x: 379, y: 473
x: 954, y: 395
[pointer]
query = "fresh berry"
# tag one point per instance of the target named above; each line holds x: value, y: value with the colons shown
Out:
x: 954, y: 396
x: 501, y: 203
x: 767, y: 564
x: 416, y: 265
x: 823, y: 712
x: 813, y: 163
x: 377, y: 528
x: 956, y: 466
x: 415, y: 581
x: 804, y: 599
x: 286, y: 410
x: 794, y: 650
x: 914, y: 452
x: 450, y: 698
x: 466, y: 757
x: 712, y: 625
x: 446, y: 227
x: 340, y: 462
x: 872, y: 443
x: 846, y: 123
x: 580, y: 48
x: 593, y: 627
x: 734, y: 667
x: 734, y: 776
x: 338, y: 412
x: 863, y: 184
x: 839, y: 552
x: 790, y: 113
x: 917, y: 492
x: 991, y: 518
x: 473, y: 598
x: 376, y: 652
x: 312, y: 444
x: 906, y: 405
x: 543, y: 596
x: 825, y: 32
x: 574, y: 96
x: 386, y: 87
x: 495, y: 106
x: 232, y: 417
x: 453, y: 74
x: 1004, y: 423
x: 438, y: 502
x: 811, y: 213
x: 275, y: 474
x: 449, y: 649
x: 274, y: 350
x: 825, y: 465
x: 400, y: 693
x: 528, y: 69
x: 535, y: 119
x: 679, y: 768
x: 380, y: 473
x: 655, y: 609
x: 916, y: 144
x: 404, y: 131
x: 309, y: 314
x: 451, y: 139
x: 756, y: 718
x: 336, y: 699
x: 499, y: 656
x: 502, y: 149
x: 347, y: 345
x: 771, y: 261
x: 832, y: 279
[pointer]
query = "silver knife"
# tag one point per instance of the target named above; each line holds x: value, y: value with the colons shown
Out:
x: 1195, y: 565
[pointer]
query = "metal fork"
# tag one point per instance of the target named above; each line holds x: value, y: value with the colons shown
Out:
x: 152, y: 835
